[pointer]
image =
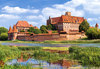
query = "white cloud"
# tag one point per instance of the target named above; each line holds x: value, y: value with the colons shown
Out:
x: 8, y: 16
x: 40, y: 18
x: 18, y: 10
x: 93, y: 19
x: 59, y: 9
x: 33, y: 23
x: 92, y: 6
x: 36, y: 20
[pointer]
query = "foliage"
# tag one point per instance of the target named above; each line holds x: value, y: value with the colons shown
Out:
x: 8, y: 52
x: 3, y: 30
x: 29, y: 48
x: 86, y: 55
x: 17, y: 66
x: 43, y: 29
x: 49, y: 27
x: 57, y: 48
x: 22, y: 31
x: 35, y: 31
x: 47, y: 56
x: 84, y: 26
x: 3, y: 36
x: 93, y: 33
x: 54, y: 31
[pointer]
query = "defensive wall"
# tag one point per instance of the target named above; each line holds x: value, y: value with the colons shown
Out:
x: 53, y: 36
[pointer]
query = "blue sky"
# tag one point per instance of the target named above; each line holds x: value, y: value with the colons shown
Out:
x: 36, y: 12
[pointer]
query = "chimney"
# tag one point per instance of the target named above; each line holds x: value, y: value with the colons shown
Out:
x: 68, y: 13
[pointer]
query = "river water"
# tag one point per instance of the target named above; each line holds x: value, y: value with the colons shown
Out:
x: 52, y: 45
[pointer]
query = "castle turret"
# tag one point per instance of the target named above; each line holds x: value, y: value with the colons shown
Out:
x: 97, y: 26
x: 10, y: 33
x: 68, y: 13
x: 10, y: 30
x: 14, y: 31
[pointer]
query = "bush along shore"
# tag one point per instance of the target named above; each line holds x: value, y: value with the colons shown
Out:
x: 80, y: 41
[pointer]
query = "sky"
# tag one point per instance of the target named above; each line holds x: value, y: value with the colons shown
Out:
x: 36, y: 12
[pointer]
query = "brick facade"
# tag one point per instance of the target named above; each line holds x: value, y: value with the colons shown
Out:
x: 66, y: 23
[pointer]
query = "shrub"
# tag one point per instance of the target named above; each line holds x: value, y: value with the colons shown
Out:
x: 86, y: 55
x: 93, y: 33
x: 22, y: 31
x: 3, y: 30
x: 43, y: 29
x: 29, y: 48
x: 84, y: 26
x: 3, y: 36
x: 35, y: 31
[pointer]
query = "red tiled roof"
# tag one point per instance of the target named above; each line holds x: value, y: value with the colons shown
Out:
x: 23, y: 24
x: 10, y: 30
x: 14, y: 29
x: 35, y: 27
x: 68, y: 19
x: 91, y: 27
x: 31, y: 25
x: 55, y: 20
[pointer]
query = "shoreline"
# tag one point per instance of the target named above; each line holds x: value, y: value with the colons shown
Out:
x: 56, y: 42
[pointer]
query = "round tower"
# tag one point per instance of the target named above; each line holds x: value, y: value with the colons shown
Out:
x: 10, y: 33
x: 15, y: 31
x: 97, y: 26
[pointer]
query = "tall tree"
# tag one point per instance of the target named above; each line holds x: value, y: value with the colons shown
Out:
x: 35, y: 31
x: 43, y: 29
x: 84, y: 26
x: 3, y: 30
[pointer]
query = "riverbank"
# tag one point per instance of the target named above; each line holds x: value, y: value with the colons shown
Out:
x: 57, y: 42
x: 53, y: 55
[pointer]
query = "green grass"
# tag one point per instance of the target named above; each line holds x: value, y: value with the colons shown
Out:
x: 57, y: 42
x: 86, y: 55
x: 16, y: 66
x: 57, y: 48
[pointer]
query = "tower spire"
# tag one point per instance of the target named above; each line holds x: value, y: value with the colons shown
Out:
x: 10, y: 30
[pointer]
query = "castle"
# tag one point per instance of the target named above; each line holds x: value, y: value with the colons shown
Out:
x: 20, y: 26
x: 66, y: 25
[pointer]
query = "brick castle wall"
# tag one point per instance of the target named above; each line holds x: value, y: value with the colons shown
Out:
x: 57, y: 37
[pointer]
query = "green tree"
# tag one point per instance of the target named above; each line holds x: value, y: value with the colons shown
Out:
x: 31, y: 29
x: 43, y: 29
x: 93, y: 33
x: 3, y: 30
x: 22, y: 31
x: 49, y: 27
x: 3, y: 36
x: 84, y: 26
x: 35, y: 31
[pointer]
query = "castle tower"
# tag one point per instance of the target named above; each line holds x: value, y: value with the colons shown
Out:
x: 15, y: 31
x: 97, y: 26
x: 68, y: 13
x: 10, y: 33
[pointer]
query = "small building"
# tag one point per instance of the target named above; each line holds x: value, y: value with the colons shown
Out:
x: 66, y: 23
x: 20, y: 26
